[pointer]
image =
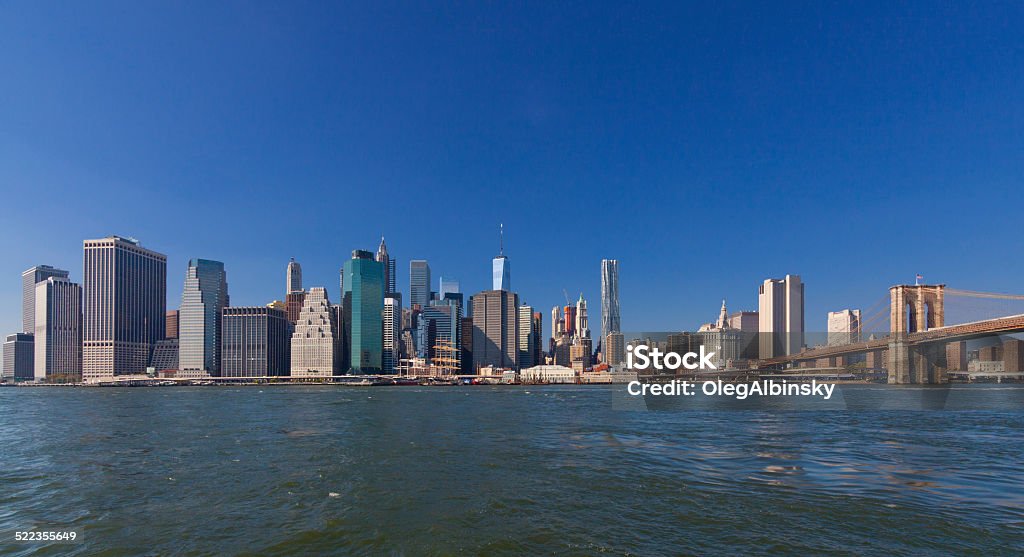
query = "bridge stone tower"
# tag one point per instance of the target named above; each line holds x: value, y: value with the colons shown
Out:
x: 914, y: 309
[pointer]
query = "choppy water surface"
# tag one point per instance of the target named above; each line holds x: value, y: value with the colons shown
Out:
x: 490, y: 470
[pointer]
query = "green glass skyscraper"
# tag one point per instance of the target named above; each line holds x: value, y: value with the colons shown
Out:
x: 363, y: 284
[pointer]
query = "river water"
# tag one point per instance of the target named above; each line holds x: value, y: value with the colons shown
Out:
x: 296, y: 470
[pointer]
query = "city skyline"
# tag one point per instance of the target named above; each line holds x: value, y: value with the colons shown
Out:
x: 115, y: 325
x: 814, y: 322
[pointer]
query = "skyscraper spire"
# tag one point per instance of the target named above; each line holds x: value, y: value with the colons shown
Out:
x: 723, y: 316
x: 582, y: 329
x: 501, y: 239
x: 389, y: 267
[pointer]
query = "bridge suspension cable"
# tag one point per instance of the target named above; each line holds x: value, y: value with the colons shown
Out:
x: 874, y: 315
x: 975, y: 294
x: 876, y: 323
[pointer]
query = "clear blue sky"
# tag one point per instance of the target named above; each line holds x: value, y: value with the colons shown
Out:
x: 706, y: 148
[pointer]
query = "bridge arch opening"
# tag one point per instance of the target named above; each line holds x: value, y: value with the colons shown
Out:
x: 916, y: 308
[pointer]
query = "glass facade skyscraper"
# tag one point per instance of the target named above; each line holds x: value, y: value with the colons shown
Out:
x: 501, y: 274
x: 363, y: 280
x: 204, y: 298
x: 447, y: 286
x: 610, y: 318
x: 419, y: 283
x: 440, y: 321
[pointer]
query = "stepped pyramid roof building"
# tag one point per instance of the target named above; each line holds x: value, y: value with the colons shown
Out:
x: 315, y: 341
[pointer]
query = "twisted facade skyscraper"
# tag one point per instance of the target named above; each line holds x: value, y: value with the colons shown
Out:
x: 610, y: 318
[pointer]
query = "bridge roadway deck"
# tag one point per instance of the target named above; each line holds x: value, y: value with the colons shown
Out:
x: 964, y: 331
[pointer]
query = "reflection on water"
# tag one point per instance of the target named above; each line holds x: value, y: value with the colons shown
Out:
x: 486, y: 470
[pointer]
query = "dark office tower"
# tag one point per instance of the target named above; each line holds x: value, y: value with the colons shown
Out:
x: 171, y: 327
x: 389, y: 268
x: 29, y: 279
x: 363, y: 281
x: 419, y: 283
x: 467, y: 346
x: 293, y: 305
x: 125, y: 304
x: 496, y: 329
x: 19, y: 353
x: 165, y: 355
x: 204, y: 297
x: 439, y: 323
x: 255, y: 342
x: 293, y: 279
x: 538, y: 333
x: 58, y: 337
x: 610, y: 319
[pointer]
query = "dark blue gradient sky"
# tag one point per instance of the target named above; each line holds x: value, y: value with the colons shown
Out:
x: 705, y: 147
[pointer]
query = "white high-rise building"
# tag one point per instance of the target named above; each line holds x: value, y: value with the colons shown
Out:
x: 719, y: 337
x: 582, y: 324
x: 29, y: 279
x: 293, y: 280
x: 315, y: 341
x: 843, y: 327
x: 58, y: 334
x: 392, y: 331
x: 527, y: 338
x: 124, y: 302
x: 556, y: 322
x: 781, y: 317
x: 610, y: 319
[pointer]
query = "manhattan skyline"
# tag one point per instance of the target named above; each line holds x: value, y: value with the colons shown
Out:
x: 706, y: 156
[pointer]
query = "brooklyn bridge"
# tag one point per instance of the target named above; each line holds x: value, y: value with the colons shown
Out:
x: 920, y: 347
